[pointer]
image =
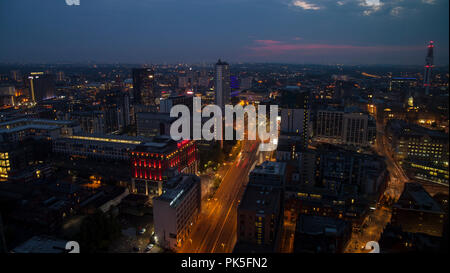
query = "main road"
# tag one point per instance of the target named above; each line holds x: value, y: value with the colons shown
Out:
x: 215, y: 229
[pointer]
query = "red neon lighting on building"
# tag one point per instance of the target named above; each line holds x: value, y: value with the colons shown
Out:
x: 182, y: 143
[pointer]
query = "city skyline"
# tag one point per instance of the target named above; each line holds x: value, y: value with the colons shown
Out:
x: 240, y: 127
x: 273, y: 31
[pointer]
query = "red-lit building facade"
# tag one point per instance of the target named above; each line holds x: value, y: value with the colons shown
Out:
x: 154, y: 163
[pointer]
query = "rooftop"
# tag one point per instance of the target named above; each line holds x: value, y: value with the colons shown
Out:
x: 316, y: 225
x: 404, y: 128
x: 176, y: 188
x: 42, y: 244
x: 270, y: 167
x: 262, y: 200
x: 414, y: 196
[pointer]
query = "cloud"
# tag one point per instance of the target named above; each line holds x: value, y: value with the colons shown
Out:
x: 370, y: 6
x: 305, y: 5
x: 396, y: 11
x: 393, y: 8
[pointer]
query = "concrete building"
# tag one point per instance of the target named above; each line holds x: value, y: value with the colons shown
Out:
x: 269, y: 173
x: 176, y: 210
x: 334, y: 182
x: 167, y: 103
x: 41, y: 86
x: 7, y: 95
x: 99, y: 147
x: 318, y: 234
x: 150, y: 124
x: 259, y: 219
x: 20, y: 129
x: 42, y: 244
x: 416, y: 142
x: 295, y: 117
x: 417, y: 212
x: 153, y: 163
x: 91, y: 122
x: 144, y: 86
x: 348, y: 126
x: 422, y: 152
x: 222, y: 84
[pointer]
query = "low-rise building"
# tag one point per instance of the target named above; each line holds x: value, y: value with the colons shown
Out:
x: 417, y: 212
x: 319, y: 234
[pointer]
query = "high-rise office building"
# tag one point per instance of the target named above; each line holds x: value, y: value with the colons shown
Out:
x: 41, y: 86
x: 429, y: 65
x: 295, y: 118
x: 260, y: 209
x: 222, y: 84
x: 116, y: 110
x: 144, y: 86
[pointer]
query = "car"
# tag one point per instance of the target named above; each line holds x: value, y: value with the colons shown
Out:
x: 136, y: 249
x: 142, y: 231
x: 149, y: 247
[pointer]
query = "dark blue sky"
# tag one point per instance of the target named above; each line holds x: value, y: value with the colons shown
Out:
x: 158, y: 31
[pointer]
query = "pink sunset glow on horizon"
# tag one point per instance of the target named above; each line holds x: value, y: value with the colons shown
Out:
x: 273, y: 47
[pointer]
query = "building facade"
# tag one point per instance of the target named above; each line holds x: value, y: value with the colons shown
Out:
x: 176, y: 210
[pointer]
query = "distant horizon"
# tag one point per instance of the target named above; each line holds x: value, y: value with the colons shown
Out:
x: 211, y: 64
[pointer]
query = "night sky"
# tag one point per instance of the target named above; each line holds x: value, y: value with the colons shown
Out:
x: 170, y: 31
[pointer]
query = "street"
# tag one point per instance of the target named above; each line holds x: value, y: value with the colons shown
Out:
x: 215, y: 230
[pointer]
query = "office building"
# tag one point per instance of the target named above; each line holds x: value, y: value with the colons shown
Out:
x: 167, y: 103
x: 144, y: 91
x: 222, y: 84
x: 41, y: 86
x: 269, y: 173
x: 295, y: 117
x: 259, y: 219
x: 417, y: 212
x: 91, y: 122
x: 7, y: 95
x: 176, y: 210
x: 153, y: 163
x: 150, y: 124
x: 402, y: 84
x: 348, y: 126
x: 319, y: 234
x: 20, y: 129
x: 422, y: 152
x: 97, y: 146
x: 415, y: 142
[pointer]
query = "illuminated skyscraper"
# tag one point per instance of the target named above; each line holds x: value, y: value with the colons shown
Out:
x: 222, y: 84
x: 429, y: 65
x: 41, y: 86
x: 144, y: 86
